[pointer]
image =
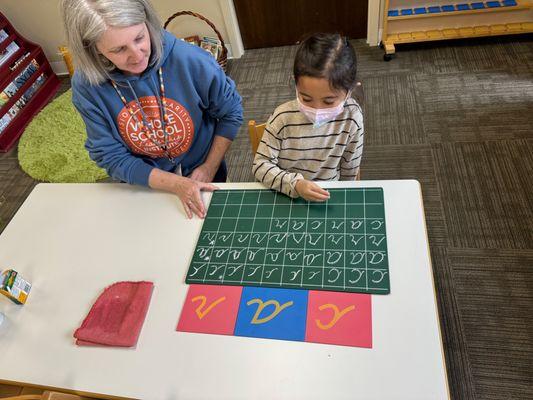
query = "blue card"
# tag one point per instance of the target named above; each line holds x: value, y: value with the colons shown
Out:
x: 477, y: 6
x: 509, y: 3
x: 492, y: 4
x: 434, y: 9
x: 420, y: 10
x: 272, y: 313
x: 407, y: 11
x: 393, y: 13
x: 462, y: 7
x: 448, y: 8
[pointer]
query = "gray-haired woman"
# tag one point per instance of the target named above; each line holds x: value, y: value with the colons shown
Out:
x: 153, y: 105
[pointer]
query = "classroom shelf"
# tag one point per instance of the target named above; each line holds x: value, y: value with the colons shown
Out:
x: 27, y: 83
x: 463, y: 32
x: 519, y: 5
x: 407, y: 21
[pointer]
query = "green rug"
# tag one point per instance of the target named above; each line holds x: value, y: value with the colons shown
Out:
x: 52, y: 146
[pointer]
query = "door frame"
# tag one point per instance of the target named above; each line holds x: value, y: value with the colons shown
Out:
x: 236, y: 47
x: 374, y: 26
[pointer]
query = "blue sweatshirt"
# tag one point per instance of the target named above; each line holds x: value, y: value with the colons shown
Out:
x: 201, y: 102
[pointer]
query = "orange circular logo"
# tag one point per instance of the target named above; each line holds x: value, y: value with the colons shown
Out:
x: 179, y: 130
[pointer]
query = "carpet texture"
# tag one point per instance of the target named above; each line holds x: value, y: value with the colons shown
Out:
x: 52, y: 146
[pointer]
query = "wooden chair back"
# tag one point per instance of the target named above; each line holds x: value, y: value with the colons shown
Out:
x: 256, y: 133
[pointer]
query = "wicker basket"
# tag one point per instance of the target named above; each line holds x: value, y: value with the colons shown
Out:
x: 222, y: 58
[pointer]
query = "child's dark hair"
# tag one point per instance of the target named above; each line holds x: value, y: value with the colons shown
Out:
x: 330, y: 56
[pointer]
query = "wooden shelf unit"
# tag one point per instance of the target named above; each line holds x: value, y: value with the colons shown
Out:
x: 454, y: 23
x: 11, y: 68
x: 520, y: 5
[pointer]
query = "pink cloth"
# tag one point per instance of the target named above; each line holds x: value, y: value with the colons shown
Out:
x: 117, y: 316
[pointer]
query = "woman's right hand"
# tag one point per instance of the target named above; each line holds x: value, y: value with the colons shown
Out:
x: 311, y: 191
x: 188, y: 191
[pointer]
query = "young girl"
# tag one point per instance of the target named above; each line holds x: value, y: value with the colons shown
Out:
x: 319, y: 135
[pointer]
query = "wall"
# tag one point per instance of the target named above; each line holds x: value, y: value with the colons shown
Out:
x: 40, y: 22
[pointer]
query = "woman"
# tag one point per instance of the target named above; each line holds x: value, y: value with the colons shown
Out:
x: 159, y: 112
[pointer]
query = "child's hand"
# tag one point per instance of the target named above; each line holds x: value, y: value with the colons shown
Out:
x: 311, y: 191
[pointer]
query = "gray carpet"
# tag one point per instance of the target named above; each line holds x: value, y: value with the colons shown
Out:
x: 458, y: 117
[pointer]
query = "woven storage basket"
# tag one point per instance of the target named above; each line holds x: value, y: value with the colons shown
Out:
x: 222, y: 58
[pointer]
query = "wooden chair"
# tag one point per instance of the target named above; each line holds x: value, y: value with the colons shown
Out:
x: 256, y: 133
x: 46, y: 396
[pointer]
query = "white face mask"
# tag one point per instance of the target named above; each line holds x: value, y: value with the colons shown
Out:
x: 319, y: 116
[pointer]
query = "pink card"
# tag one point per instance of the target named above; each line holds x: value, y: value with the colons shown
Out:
x: 339, y: 318
x: 210, y: 309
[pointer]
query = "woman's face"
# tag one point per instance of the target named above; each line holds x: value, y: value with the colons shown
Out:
x: 127, y: 48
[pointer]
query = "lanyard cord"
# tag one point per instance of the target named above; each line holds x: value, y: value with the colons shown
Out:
x: 143, y: 121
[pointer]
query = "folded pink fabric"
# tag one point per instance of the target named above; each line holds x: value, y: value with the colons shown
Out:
x: 117, y: 316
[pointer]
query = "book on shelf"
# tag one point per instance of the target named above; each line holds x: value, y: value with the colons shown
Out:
x: 21, y: 102
x: 4, y: 122
x: 19, y: 61
x: 28, y: 94
x: 9, y: 50
x: 12, y: 88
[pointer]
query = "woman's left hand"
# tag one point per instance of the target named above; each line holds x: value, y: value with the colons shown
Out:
x: 186, y: 189
x: 203, y: 173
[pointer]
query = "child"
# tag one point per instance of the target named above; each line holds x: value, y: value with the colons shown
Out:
x: 319, y: 135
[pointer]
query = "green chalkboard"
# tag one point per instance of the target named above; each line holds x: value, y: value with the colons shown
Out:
x: 264, y: 238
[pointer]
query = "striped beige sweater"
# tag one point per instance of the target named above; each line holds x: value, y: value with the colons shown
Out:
x: 291, y: 149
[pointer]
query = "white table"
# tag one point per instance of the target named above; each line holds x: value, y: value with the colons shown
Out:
x: 72, y: 240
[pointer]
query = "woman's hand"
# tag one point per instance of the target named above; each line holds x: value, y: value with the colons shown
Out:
x: 311, y: 191
x: 188, y: 191
x: 207, y: 171
x: 203, y: 173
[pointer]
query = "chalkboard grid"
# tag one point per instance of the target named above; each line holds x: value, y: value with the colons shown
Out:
x: 263, y: 238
